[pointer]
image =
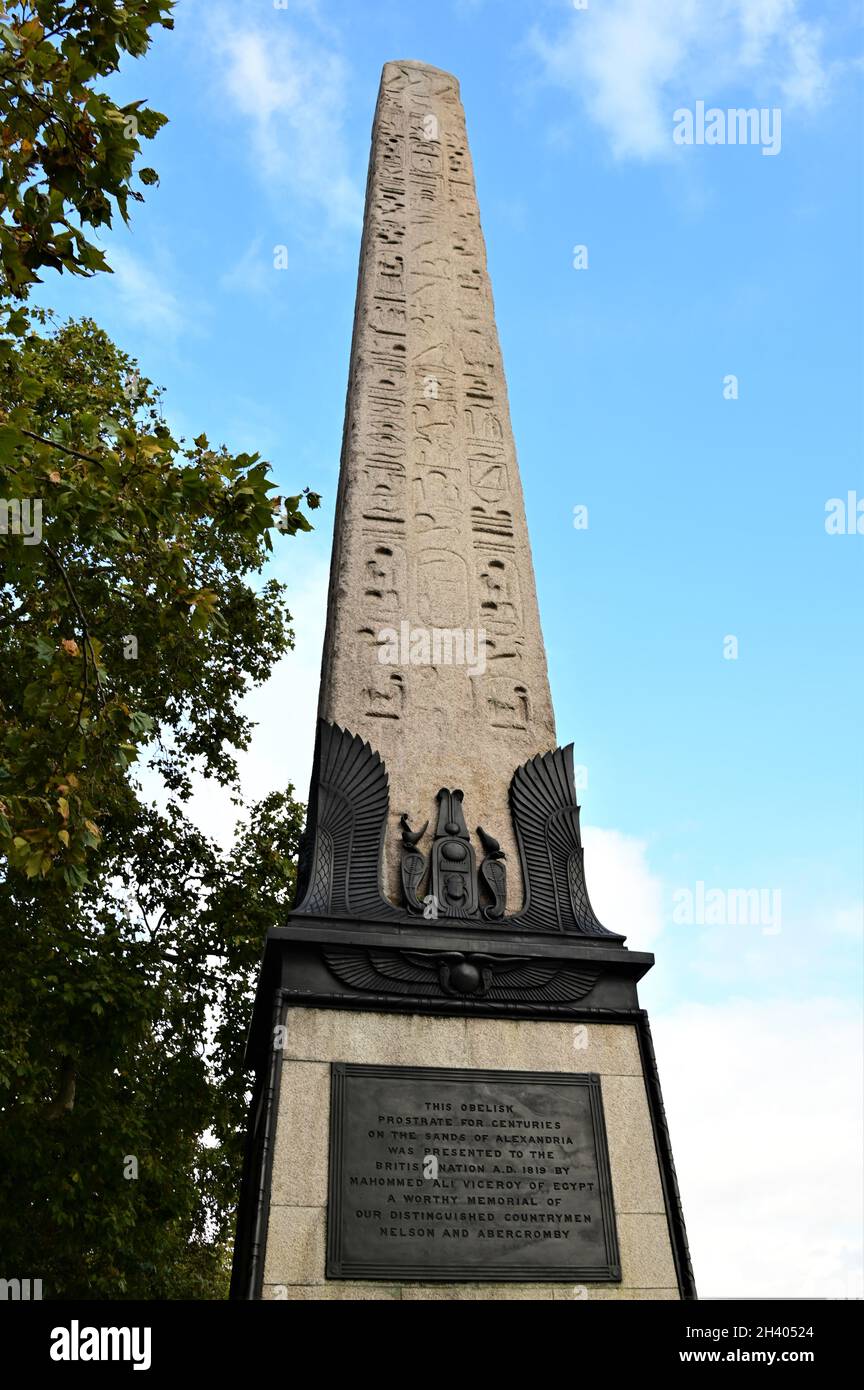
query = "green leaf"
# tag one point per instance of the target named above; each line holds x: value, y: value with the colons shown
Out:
x: 11, y: 440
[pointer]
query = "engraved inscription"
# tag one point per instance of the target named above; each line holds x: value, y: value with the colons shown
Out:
x: 441, y: 1173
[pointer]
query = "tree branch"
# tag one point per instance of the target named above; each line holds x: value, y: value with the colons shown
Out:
x: 64, y: 448
x: 85, y: 631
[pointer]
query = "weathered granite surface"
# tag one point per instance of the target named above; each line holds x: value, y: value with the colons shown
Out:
x: 316, y: 1037
x: 430, y: 528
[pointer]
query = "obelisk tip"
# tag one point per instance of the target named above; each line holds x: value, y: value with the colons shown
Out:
x: 397, y: 65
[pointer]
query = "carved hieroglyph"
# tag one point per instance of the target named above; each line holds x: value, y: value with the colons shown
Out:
x: 430, y: 526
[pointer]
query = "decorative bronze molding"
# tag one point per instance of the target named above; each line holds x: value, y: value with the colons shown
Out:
x: 454, y: 873
x: 546, y: 821
x: 454, y: 878
x: 340, y: 859
x: 460, y: 974
x: 339, y: 866
x: 493, y: 873
x: 413, y: 864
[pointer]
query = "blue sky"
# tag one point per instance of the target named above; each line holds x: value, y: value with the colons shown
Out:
x: 706, y: 514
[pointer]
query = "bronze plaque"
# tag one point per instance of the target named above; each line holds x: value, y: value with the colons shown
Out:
x: 443, y: 1173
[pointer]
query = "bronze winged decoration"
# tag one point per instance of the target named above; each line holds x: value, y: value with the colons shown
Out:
x: 461, y: 974
x: 546, y: 821
x: 339, y: 868
x: 340, y: 859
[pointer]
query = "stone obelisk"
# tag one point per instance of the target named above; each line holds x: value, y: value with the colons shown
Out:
x: 430, y: 533
x: 455, y: 1094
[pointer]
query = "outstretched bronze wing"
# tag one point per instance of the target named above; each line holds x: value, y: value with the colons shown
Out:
x: 546, y: 821
x: 340, y: 857
x: 391, y: 972
x: 425, y: 974
x: 540, y: 979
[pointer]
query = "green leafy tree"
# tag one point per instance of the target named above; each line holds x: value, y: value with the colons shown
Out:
x: 126, y: 615
x: 129, y: 943
x: 134, y: 616
x: 125, y: 1011
x: 68, y: 150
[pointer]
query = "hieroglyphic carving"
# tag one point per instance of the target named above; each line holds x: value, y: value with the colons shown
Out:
x: 437, y: 499
x: 489, y: 521
x: 431, y: 528
x: 384, y: 494
x: 504, y: 653
x: 391, y: 232
x: 391, y: 155
x: 478, y: 348
x: 441, y: 587
x: 383, y: 577
x: 498, y: 581
x: 383, y: 697
x: 435, y: 422
x: 390, y: 277
x: 508, y: 703
x: 428, y: 259
x: 388, y: 316
x: 488, y: 476
x: 483, y: 424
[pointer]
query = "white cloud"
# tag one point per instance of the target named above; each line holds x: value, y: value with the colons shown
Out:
x: 624, y: 893
x: 848, y: 921
x: 310, y: 7
x: 252, y: 272
x: 291, y: 91
x: 284, y: 710
x: 633, y: 63
x: 145, y: 294
x: 764, y: 1106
